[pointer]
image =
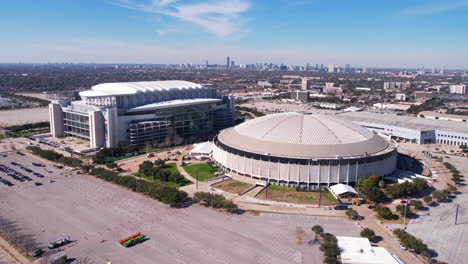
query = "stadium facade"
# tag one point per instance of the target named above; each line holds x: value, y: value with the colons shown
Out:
x: 299, y: 150
x: 159, y: 112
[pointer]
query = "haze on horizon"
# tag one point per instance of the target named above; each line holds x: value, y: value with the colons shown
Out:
x: 367, y: 33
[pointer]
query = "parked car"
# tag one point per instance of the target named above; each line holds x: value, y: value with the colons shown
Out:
x: 37, y: 183
x: 38, y: 252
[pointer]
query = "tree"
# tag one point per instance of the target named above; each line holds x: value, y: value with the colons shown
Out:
x: 352, y: 214
x: 403, y: 210
x: 318, y: 230
x: 427, y: 199
x: 330, y: 249
x: 373, y: 180
x: 451, y: 188
x: 367, y: 233
x: 383, y: 211
x: 416, y: 203
x: 381, y: 184
x: 438, y: 195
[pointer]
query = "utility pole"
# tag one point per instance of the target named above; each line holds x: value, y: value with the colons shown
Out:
x: 196, y: 177
x: 320, y: 196
x: 404, y: 215
x: 456, y: 213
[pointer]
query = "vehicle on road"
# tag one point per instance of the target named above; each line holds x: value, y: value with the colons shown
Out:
x: 37, y: 183
x: 38, y: 252
x: 341, y: 207
x: 132, y: 240
x: 19, y: 153
x: 38, y: 164
x: 59, y: 242
x: 402, y: 247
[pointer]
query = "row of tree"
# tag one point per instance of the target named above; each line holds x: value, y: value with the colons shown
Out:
x: 54, y: 156
x: 161, y: 192
x: 157, y: 171
x: 30, y: 126
x: 457, y: 178
x: 404, y: 189
x: 103, y: 156
x: 215, y: 200
x: 409, y: 241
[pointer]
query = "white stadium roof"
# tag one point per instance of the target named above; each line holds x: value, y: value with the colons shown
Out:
x: 128, y: 88
x: 174, y: 103
x: 296, y: 135
x: 295, y: 128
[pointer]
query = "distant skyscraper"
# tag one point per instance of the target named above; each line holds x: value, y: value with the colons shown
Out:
x: 316, y: 67
x: 433, y: 69
x: 347, y: 68
x: 331, y: 67
x: 442, y: 69
x: 228, y: 63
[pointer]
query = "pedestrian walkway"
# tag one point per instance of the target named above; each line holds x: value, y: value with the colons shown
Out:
x: 255, y: 191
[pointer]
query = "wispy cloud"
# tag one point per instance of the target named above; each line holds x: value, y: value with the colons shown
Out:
x: 221, y: 17
x: 434, y: 7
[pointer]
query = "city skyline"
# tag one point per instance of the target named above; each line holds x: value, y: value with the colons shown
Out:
x: 363, y: 34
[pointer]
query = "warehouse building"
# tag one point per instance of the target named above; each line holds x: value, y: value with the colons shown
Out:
x: 412, y: 129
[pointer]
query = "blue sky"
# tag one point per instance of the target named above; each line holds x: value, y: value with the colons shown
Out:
x: 393, y: 33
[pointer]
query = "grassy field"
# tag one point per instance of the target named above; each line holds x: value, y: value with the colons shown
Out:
x: 2, y: 136
x: 232, y: 186
x: 291, y: 195
x: 204, y: 171
x: 171, y: 166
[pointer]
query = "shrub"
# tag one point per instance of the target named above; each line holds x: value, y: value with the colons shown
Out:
x: 383, y: 211
x: 367, y: 233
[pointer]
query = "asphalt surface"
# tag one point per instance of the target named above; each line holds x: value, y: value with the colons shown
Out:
x: 97, y: 214
x: 437, y: 228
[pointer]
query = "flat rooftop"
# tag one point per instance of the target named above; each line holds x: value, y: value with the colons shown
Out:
x: 406, y: 121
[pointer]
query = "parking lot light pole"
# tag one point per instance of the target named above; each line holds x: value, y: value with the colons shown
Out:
x: 196, y: 177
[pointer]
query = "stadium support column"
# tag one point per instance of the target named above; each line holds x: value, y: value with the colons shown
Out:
x: 56, y: 120
x: 329, y: 172
x: 347, y: 174
x: 96, y: 129
x: 111, y: 127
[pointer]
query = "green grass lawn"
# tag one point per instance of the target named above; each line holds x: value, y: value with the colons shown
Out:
x: 204, y: 171
x: 170, y: 166
x: 2, y: 136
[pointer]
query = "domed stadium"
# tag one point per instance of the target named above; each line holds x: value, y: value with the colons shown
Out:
x: 306, y: 151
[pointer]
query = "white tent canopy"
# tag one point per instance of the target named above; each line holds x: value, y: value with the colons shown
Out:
x: 202, y: 148
x: 339, y: 189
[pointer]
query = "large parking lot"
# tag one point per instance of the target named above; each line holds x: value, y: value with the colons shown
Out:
x: 97, y: 214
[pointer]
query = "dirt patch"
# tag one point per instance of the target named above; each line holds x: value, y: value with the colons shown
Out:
x: 232, y: 186
x: 299, y: 197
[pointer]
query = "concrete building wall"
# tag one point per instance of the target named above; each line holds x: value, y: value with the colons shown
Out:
x: 290, y: 173
x: 97, y: 137
x: 56, y: 120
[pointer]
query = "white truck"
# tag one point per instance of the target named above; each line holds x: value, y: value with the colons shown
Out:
x: 59, y: 242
